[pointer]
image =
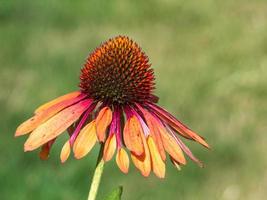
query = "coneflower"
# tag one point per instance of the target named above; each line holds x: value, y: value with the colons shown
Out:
x: 116, y: 107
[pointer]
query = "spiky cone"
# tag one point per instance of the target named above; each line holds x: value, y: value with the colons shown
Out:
x: 115, y: 106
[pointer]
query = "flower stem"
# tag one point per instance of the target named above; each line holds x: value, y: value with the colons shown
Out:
x: 97, y: 175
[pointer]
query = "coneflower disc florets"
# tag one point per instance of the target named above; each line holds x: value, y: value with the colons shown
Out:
x: 118, y: 72
x: 114, y: 106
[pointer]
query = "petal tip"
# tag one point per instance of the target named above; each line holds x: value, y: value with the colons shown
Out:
x: 65, y: 152
x: 78, y: 156
x: 17, y: 134
x: 28, y: 147
x: 122, y: 161
x: 20, y: 132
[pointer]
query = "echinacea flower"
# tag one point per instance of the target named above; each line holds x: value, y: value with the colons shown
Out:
x: 115, y: 106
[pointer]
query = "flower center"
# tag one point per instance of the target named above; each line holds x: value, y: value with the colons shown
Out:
x: 118, y: 72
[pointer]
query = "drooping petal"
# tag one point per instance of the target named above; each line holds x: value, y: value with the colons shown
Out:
x: 85, y: 141
x: 44, y: 153
x: 44, y: 115
x: 143, y: 125
x: 171, y: 146
x: 184, y: 147
x: 176, y: 164
x: 122, y: 160
x: 143, y: 161
x: 45, y: 150
x: 158, y: 165
x: 71, y: 129
x: 80, y: 123
x: 65, y: 152
x: 177, y: 125
x: 118, y: 116
x: 132, y: 135
x: 154, y: 131
x: 57, y: 100
x: 55, y: 125
x: 103, y: 120
x: 109, y: 148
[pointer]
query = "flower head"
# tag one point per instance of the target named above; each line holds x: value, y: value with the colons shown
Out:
x: 116, y: 107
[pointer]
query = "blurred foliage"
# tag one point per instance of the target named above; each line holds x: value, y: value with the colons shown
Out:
x: 115, y: 194
x: 210, y: 61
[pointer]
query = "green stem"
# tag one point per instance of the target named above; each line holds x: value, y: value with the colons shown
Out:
x: 97, y: 175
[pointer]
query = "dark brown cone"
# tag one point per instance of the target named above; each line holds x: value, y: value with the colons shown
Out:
x: 118, y: 72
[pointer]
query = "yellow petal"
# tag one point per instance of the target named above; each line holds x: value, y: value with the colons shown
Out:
x: 57, y: 100
x: 102, y: 122
x: 158, y: 166
x: 85, y: 140
x: 65, y: 152
x: 172, y: 147
x: 122, y: 160
x: 109, y: 148
x: 132, y: 135
x: 55, y: 125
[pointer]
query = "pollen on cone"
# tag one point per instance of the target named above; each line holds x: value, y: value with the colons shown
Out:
x: 65, y: 152
x: 122, y: 160
x: 158, y: 166
x: 102, y: 122
x: 85, y: 141
x: 118, y: 72
x: 109, y: 148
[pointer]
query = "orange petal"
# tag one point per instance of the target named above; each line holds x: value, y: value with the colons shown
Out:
x: 196, y: 137
x: 57, y: 100
x: 172, y: 147
x: 102, y: 122
x: 142, y: 162
x: 158, y: 166
x: 122, y: 160
x: 85, y: 140
x: 65, y: 152
x: 179, y: 126
x: 44, y: 153
x: 132, y: 135
x: 55, y: 126
x: 155, y: 134
x: 109, y: 148
x: 183, y: 130
x: 43, y: 116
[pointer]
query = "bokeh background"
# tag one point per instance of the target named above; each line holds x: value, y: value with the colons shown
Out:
x: 210, y: 61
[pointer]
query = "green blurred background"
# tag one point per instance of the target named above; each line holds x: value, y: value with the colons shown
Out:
x: 210, y: 61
